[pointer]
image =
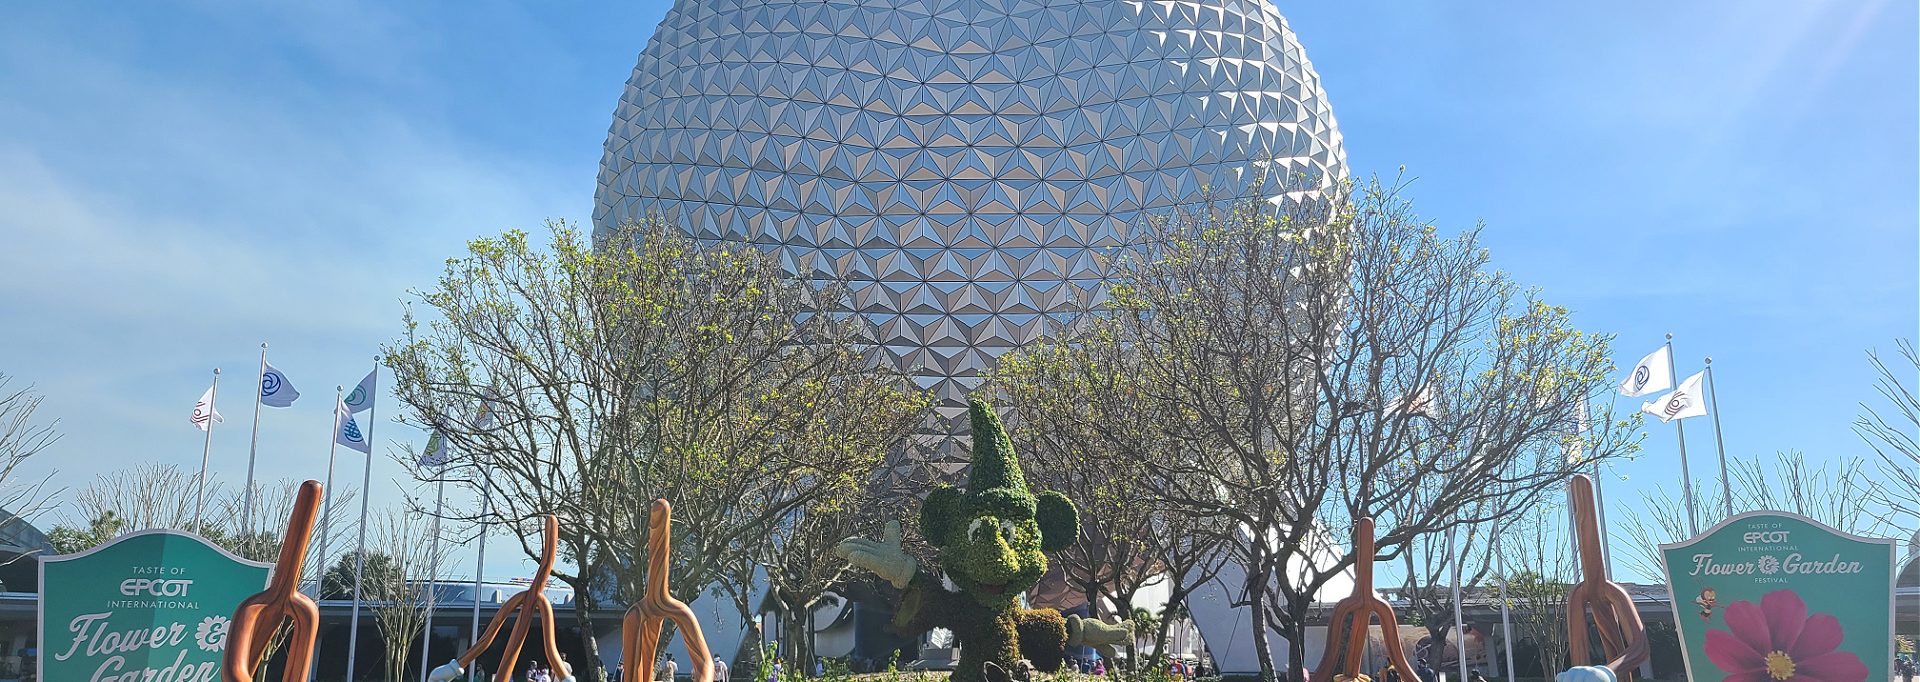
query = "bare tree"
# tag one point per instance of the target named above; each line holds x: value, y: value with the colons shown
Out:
x: 1330, y: 366
x: 1428, y: 563
x: 1089, y: 442
x: 639, y: 367
x: 149, y: 495
x: 259, y: 537
x: 1894, y: 432
x: 154, y: 495
x: 402, y: 599
x: 1190, y: 552
x: 1542, y: 570
x: 1839, y: 493
x: 21, y: 437
x: 801, y: 567
x: 1091, y: 437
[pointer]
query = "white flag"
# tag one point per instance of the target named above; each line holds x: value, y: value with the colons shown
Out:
x: 1685, y: 401
x: 275, y: 390
x: 361, y: 398
x: 1654, y: 373
x: 1420, y: 403
x: 347, y: 432
x: 203, y: 411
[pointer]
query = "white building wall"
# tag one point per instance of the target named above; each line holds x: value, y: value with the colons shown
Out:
x: 1228, y: 630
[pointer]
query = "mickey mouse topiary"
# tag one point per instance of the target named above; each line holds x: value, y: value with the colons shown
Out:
x: 993, y: 536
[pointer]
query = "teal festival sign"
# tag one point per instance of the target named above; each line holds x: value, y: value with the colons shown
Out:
x: 1776, y: 596
x: 151, y: 606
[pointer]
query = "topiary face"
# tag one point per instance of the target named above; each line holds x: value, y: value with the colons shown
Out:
x: 992, y: 535
x: 994, y: 558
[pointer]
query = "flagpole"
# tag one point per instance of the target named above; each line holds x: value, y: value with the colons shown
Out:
x: 1599, y: 498
x: 1506, y: 621
x: 254, y: 448
x: 433, y: 554
x: 326, y: 504
x: 1686, y: 477
x: 1459, y: 624
x: 326, y: 510
x: 206, y: 453
x: 479, y: 565
x: 360, y: 555
x: 1713, y: 403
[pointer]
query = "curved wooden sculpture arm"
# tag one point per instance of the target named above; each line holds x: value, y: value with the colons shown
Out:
x: 494, y: 626
x: 1622, y: 634
x: 1352, y: 618
x: 258, y: 616
x: 525, y: 608
x: 640, y: 628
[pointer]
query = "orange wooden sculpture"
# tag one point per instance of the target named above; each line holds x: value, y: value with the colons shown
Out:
x: 640, y: 629
x: 1621, y: 632
x: 1356, y: 613
x: 530, y: 605
x: 260, y: 615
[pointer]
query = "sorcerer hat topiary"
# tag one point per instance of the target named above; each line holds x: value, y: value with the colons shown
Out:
x: 996, y: 486
x: 995, y: 483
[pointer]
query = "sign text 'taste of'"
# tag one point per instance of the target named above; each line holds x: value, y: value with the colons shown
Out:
x: 1778, y: 596
x: 151, y: 606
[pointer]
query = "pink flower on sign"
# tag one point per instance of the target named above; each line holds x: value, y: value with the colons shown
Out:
x: 1777, y: 641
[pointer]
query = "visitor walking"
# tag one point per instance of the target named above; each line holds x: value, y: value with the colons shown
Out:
x: 666, y: 670
x: 720, y: 671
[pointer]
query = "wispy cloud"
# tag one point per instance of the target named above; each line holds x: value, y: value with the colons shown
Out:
x: 156, y: 222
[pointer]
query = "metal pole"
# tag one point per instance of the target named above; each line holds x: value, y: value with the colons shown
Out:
x: 1713, y: 405
x: 206, y: 452
x: 254, y: 447
x: 360, y: 556
x: 1459, y: 624
x: 479, y: 565
x: 1506, y: 620
x: 1686, y: 477
x: 326, y: 513
x: 433, y: 557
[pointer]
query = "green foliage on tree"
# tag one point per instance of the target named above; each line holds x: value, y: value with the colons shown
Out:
x: 1086, y: 432
x: 1539, y: 606
x: 587, y: 377
x: 69, y: 539
x: 1306, y: 366
x: 380, y: 570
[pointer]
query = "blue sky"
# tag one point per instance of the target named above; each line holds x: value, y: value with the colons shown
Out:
x: 181, y: 181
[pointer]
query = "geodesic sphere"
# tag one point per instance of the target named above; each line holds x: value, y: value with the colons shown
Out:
x: 963, y: 164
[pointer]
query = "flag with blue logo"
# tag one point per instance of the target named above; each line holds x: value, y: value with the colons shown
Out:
x: 347, y: 432
x: 1653, y: 374
x: 361, y: 398
x: 275, y: 390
